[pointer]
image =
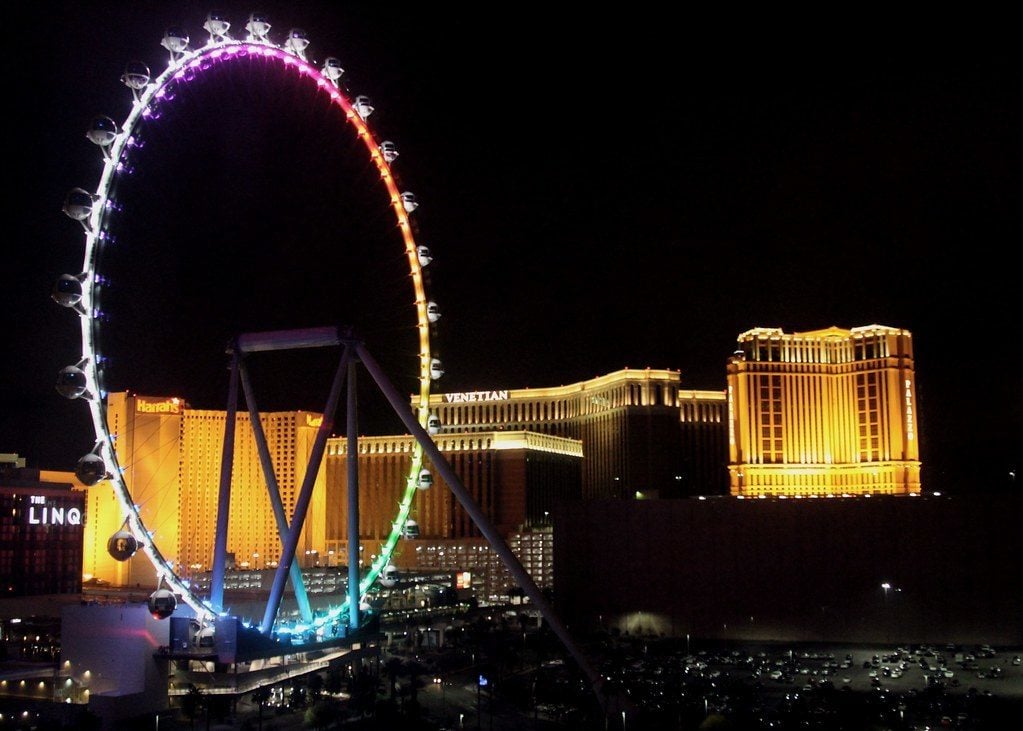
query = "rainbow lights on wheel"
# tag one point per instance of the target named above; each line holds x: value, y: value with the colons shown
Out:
x: 94, y: 211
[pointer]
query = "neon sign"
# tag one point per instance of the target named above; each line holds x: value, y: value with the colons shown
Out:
x: 731, y: 418
x: 167, y: 406
x: 40, y: 513
x: 909, y: 410
x: 473, y: 396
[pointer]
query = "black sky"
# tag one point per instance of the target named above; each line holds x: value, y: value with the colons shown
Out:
x: 600, y: 191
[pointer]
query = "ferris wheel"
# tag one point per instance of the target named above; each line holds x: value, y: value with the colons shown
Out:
x: 83, y: 380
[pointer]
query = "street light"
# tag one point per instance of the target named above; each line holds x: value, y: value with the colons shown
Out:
x: 887, y: 620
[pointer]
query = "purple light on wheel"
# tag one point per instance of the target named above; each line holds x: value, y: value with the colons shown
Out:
x: 191, y: 66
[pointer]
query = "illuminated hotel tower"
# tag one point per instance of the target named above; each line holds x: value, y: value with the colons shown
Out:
x: 170, y: 455
x: 252, y: 535
x: 516, y: 478
x: 642, y: 434
x: 827, y: 412
x: 147, y: 440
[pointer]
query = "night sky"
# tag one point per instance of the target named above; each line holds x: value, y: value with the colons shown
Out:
x: 599, y: 191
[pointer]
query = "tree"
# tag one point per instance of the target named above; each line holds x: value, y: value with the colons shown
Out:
x: 192, y: 704
x: 297, y: 697
x: 322, y: 713
x: 315, y: 684
x: 334, y: 682
x: 415, y: 671
x: 393, y: 668
x: 363, y: 691
x: 260, y: 696
x: 716, y: 721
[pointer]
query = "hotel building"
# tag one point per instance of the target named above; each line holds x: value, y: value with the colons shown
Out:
x: 42, y: 519
x: 516, y: 478
x: 642, y: 434
x: 170, y: 456
x: 628, y: 434
x: 826, y: 412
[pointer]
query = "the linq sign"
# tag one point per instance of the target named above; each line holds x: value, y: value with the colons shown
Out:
x: 42, y: 513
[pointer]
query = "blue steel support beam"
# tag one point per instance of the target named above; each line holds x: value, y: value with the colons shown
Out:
x: 224, y: 494
x: 274, y: 490
x: 522, y: 577
x: 352, y: 463
x: 302, y: 504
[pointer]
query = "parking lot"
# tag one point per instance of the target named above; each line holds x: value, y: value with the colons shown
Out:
x: 819, y: 686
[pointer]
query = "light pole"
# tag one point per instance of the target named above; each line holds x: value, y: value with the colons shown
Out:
x: 887, y: 620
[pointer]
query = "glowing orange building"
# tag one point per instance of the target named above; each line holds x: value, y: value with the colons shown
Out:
x: 826, y: 412
x: 252, y: 536
x: 627, y: 434
x: 515, y: 477
x: 170, y: 455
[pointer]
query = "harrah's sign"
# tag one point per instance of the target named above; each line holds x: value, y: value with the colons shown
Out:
x: 471, y: 396
x: 167, y: 406
x: 41, y: 513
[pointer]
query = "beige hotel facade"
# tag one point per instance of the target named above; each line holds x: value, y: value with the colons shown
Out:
x: 823, y: 413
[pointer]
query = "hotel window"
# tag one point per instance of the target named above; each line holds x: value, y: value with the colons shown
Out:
x: 868, y: 415
x: 769, y: 400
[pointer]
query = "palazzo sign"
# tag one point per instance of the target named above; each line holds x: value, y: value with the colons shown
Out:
x: 473, y: 396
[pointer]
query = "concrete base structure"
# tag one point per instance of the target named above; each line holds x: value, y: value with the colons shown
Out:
x: 882, y: 569
x: 107, y: 652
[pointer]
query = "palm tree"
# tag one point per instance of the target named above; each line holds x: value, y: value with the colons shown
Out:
x: 393, y: 668
x: 334, y: 682
x: 315, y: 684
x: 321, y: 714
x: 363, y: 692
x: 297, y: 697
x: 191, y: 704
x: 415, y: 671
x: 260, y: 696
